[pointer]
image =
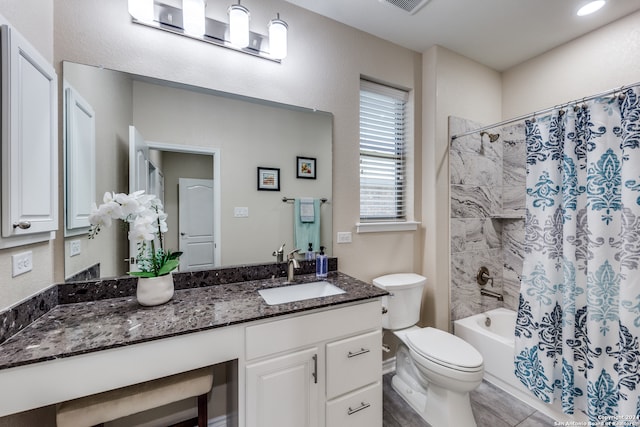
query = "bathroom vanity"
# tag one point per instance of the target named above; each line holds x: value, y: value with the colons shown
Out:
x: 315, y: 362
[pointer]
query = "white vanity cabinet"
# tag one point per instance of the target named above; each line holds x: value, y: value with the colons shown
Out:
x: 319, y: 369
x: 29, y: 142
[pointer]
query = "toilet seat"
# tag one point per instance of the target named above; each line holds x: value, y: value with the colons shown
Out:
x: 444, y: 349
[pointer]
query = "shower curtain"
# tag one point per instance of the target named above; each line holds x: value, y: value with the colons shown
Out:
x: 578, y: 324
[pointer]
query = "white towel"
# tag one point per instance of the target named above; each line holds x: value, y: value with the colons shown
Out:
x: 307, y: 212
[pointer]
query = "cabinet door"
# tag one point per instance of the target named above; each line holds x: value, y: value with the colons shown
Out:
x: 29, y: 139
x: 283, y: 391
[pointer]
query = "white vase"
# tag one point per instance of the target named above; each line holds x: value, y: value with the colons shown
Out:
x: 154, y: 290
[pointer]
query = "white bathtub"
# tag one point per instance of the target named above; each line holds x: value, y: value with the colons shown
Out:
x: 494, y: 339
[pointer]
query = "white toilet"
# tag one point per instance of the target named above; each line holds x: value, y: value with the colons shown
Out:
x: 435, y: 370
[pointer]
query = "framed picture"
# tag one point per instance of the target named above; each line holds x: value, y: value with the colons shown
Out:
x: 268, y: 179
x: 306, y: 167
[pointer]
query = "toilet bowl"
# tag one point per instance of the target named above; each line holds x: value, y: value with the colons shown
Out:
x: 435, y: 370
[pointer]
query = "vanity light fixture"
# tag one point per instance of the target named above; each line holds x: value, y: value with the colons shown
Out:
x: 193, y: 17
x: 142, y: 10
x: 191, y: 21
x: 239, y: 25
x: 591, y: 7
x: 278, y: 37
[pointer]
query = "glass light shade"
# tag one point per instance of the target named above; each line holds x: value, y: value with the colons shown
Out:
x: 591, y: 7
x: 278, y: 38
x: 142, y: 10
x: 193, y: 17
x: 239, y: 25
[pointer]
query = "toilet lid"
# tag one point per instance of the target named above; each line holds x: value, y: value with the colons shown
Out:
x: 398, y: 281
x: 444, y: 348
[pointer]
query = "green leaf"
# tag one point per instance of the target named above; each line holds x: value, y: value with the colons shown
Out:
x: 168, y: 267
x: 141, y: 273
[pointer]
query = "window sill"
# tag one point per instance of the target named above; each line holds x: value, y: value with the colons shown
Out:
x: 379, y: 227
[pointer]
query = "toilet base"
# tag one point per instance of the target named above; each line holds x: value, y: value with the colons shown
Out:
x: 438, y: 407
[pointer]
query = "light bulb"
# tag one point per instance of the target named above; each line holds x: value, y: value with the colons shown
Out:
x: 278, y: 38
x: 193, y: 17
x: 142, y: 10
x: 591, y: 7
x: 239, y: 25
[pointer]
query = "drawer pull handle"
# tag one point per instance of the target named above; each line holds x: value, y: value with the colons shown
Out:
x: 22, y: 225
x: 358, y: 409
x: 315, y: 369
x: 358, y: 353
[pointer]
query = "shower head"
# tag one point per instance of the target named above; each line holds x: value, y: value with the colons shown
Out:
x: 493, y: 137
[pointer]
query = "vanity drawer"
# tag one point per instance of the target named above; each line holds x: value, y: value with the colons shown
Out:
x: 353, y: 362
x: 362, y: 408
x: 297, y: 332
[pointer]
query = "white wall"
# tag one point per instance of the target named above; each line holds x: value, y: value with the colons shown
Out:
x: 452, y: 86
x: 599, y: 61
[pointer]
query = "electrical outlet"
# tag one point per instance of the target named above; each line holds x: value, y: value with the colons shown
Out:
x: 344, y: 237
x: 74, y: 248
x: 22, y: 263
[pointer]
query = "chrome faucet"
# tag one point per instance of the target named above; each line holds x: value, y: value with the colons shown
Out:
x: 292, y: 264
x: 492, y: 294
x: 279, y: 254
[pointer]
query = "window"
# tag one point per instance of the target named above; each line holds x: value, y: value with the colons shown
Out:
x: 382, y: 152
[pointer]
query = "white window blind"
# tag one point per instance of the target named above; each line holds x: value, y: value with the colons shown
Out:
x: 382, y: 152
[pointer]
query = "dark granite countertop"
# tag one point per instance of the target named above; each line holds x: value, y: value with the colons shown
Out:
x: 84, y: 327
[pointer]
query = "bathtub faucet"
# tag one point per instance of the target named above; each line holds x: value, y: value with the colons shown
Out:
x: 492, y: 294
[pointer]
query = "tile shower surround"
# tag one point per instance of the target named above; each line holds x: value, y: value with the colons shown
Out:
x: 487, y: 199
x: 16, y: 318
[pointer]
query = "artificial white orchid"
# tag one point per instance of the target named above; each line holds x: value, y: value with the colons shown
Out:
x: 147, y: 223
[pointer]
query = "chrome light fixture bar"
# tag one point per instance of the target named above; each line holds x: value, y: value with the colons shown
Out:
x: 171, y: 19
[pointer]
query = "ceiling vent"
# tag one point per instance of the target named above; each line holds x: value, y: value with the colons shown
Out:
x: 411, y: 6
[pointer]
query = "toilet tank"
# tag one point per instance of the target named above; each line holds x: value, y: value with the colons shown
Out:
x: 403, y: 301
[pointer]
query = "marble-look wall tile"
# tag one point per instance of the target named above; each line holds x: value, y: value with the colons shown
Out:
x: 513, y: 199
x: 465, y: 290
x: 513, y: 247
x: 487, y: 180
x: 458, y: 235
x: 471, y: 168
x: 473, y: 234
x: 470, y: 201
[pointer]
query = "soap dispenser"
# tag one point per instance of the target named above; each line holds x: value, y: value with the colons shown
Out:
x: 310, y: 255
x: 322, y: 264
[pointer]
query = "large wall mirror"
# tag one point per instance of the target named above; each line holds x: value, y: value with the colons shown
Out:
x: 194, y: 135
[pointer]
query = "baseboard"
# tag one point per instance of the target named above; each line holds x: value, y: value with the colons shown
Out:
x: 388, y: 365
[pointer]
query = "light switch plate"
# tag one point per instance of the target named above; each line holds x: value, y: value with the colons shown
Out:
x: 241, y: 212
x: 344, y: 237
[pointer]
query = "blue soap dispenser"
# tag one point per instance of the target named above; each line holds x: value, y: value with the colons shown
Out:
x: 310, y: 255
x: 322, y: 264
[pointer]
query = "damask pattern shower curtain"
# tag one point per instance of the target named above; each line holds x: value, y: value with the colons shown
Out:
x: 578, y: 324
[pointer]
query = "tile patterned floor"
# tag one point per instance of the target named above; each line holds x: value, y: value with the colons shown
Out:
x: 491, y: 407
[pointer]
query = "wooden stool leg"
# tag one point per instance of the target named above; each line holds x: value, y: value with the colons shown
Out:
x: 203, y: 418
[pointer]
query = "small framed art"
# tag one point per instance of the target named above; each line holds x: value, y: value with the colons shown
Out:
x: 306, y: 167
x: 268, y: 179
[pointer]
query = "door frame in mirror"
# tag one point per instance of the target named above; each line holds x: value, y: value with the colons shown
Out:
x: 217, y: 186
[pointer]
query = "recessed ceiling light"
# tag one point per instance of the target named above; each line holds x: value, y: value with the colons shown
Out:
x: 590, y: 7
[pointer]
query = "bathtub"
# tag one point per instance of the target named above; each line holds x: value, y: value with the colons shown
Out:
x: 494, y: 339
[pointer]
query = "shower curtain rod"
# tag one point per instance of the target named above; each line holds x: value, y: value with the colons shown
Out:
x: 546, y: 110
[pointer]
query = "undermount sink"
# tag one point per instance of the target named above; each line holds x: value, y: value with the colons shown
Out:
x: 291, y: 293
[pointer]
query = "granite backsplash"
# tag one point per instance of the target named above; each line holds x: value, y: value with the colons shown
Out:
x: 14, y: 319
